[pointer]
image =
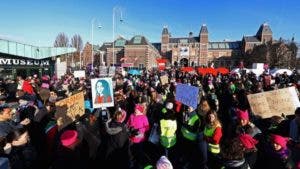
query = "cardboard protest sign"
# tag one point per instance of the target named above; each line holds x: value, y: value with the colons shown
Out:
x: 79, y: 73
x: 164, y: 79
x: 103, y: 71
x: 69, y: 109
x: 187, y: 95
x: 102, y: 92
x: 274, y: 103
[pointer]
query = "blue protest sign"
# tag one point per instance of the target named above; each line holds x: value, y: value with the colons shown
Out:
x: 187, y: 95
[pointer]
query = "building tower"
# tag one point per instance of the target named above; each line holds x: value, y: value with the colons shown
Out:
x: 165, y: 37
x: 264, y: 33
x: 203, y: 40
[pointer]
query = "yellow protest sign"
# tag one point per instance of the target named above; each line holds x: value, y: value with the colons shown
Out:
x: 69, y: 109
x: 164, y: 79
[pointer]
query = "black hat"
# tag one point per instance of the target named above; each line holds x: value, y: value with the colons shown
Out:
x: 5, y: 106
x: 297, y: 111
x: 2, y: 97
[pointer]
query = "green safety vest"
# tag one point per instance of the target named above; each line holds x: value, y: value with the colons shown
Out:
x: 188, y: 134
x: 213, y: 148
x: 168, y: 133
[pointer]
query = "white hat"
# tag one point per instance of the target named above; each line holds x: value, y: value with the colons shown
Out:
x: 163, y: 163
x: 169, y: 105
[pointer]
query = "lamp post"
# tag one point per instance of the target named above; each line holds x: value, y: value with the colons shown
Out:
x: 115, y: 9
x: 101, y: 58
x: 99, y: 26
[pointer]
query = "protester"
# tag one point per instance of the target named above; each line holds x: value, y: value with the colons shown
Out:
x: 278, y: 154
x: 142, y: 102
x: 232, y: 155
x: 212, y: 135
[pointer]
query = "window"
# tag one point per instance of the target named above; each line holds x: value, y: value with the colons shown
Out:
x: 137, y: 40
x: 141, y: 66
x: 183, y: 41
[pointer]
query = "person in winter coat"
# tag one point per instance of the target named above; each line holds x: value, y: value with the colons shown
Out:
x: 250, y: 150
x: 138, y: 125
x: 212, y: 135
x: 277, y: 153
x: 23, y: 155
x: 244, y: 125
x: 232, y: 155
x: 116, y: 143
x: 68, y: 154
x: 168, y: 127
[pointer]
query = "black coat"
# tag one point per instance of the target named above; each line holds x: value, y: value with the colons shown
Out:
x: 67, y: 158
x: 116, y: 146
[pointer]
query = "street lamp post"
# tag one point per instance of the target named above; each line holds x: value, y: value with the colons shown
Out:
x: 99, y: 26
x: 115, y: 9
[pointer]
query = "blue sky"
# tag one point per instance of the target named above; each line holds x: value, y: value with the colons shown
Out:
x: 38, y: 22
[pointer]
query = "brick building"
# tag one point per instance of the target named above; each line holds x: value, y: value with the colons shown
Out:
x: 136, y: 52
x: 198, y: 50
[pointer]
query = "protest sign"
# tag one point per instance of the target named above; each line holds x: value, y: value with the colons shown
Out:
x: 103, y: 71
x: 187, y: 95
x: 69, y: 109
x: 102, y: 92
x: 274, y: 103
x: 111, y: 71
x: 164, y: 79
x: 79, y: 73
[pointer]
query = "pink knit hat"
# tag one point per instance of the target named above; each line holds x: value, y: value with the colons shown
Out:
x: 248, y: 141
x: 139, y: 108
x: 243, y: 115
x: 68, y: 138
x: 282, y: 141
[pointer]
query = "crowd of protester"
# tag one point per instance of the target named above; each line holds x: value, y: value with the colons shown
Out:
x: 147, y: 127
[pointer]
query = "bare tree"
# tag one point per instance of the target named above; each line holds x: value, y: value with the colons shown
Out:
x: 61, y: 40
x: 76, y: 42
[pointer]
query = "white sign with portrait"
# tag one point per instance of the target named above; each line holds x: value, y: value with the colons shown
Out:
x: 102, y: 92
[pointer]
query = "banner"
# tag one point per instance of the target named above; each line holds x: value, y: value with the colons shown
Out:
x: 102, y: 92
x: 274, y: 103
x: 69, y: 109
x: 79, y: 73
x: 161, y: 64
x: 164, y: 79
x: 187, y: 95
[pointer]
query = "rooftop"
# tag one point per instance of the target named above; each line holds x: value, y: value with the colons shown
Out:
x: 33, y: 52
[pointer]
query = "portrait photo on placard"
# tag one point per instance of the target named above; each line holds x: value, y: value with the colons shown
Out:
x: 102, y: 92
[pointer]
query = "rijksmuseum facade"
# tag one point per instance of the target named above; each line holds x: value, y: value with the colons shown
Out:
x: 184, y: 51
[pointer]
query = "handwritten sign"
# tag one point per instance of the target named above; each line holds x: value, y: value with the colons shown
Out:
x: 69, y: 109
x: 79, y: 73
x: 187, y: 95
x: 103, y: 71
x: 164, y: 79
x: 274, y: 103
x: 111, y: 71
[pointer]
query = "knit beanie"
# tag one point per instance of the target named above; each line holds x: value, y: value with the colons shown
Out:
x: 243, y: 115
x: 139, y: 107
x: 248, y: 141
x: 68, y: 138
x: 282, y: 141
x: 163, y: 163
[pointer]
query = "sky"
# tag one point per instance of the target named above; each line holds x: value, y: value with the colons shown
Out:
x: 38, y: 22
